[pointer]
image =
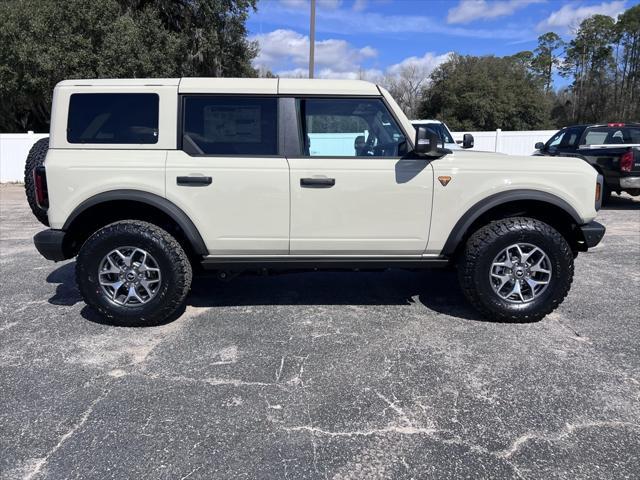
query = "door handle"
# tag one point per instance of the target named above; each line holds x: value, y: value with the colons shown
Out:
x: 193, y: 181
x: 317, y: 182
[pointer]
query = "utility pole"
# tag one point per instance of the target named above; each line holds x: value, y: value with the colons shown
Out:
x: 312, y: 37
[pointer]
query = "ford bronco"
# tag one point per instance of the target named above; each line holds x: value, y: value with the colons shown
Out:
x: 148, y: 180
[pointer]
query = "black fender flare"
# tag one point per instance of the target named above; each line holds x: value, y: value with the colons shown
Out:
x: 151, y: 199
x: 459, y: 230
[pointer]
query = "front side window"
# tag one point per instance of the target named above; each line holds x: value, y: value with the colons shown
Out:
x: 349, y: 128
x: 556, y: 139
x: 567, y: 138
x: 225, y: 125
x: 122, y: 118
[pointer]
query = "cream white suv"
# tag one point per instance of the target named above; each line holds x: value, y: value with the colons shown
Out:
x: 147, y: 180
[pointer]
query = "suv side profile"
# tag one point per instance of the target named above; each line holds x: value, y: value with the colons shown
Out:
x: 149, y: 180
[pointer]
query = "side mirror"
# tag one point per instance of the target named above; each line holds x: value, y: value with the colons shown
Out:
x: 467, y: 140
x: 426, y: 142
x: 539, y: 146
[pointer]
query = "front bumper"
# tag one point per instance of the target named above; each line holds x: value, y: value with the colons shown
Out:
x: 51, y: 244
x: 592, y: 233
x: 630, y: 182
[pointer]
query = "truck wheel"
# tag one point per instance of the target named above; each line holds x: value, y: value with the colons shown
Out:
x: 606, y: 194
x: 133, y: 273
x: 516, y: 270
x: 35, y: 159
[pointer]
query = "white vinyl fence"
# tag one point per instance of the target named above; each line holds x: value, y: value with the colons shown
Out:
x: 14, y: 147
x: 509, y: 142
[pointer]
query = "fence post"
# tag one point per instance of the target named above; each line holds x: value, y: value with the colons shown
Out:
x: 498, y: 144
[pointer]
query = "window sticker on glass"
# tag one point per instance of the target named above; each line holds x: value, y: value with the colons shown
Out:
x: 232, y: 123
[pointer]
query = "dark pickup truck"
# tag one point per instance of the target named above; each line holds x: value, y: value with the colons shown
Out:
x: 613, y: 149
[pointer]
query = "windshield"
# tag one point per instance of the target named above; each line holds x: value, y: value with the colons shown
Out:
x: 439, y: 128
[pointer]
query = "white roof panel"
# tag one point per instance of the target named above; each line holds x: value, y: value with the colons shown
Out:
x: 305, y: 86
x: 120, y: 82
x: 263, y: 86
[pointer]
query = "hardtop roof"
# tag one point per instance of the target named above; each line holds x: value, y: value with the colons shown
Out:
x: 273, y: 86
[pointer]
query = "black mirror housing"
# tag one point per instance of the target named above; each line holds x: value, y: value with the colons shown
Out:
x: 467, y: 140
x: 426, y: 142
x: 539, y: 146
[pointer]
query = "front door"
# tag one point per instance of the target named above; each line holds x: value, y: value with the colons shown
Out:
x: 228, y: 176
x: 352, y: 193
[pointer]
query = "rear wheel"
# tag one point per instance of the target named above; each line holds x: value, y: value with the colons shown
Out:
x: 133, y: 273
x: 516, y: 269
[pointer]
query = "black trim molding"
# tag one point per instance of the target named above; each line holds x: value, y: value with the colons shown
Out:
x: 162, y: 204
x: 486, y: 204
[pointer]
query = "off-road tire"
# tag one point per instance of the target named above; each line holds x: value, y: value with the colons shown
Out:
x: 171, y: 259
x: 35, y: 159
x: 483, y: 246
x: 606, y: 194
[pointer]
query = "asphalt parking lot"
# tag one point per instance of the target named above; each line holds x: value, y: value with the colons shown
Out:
x: 320, y: 375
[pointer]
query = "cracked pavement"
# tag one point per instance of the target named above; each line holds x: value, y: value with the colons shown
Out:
x: 320, y: 375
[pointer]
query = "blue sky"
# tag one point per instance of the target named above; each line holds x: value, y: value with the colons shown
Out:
x: 371, y: 38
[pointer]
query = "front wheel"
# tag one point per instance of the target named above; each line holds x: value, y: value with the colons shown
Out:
x: 133, y: 273
x: 516, y: 270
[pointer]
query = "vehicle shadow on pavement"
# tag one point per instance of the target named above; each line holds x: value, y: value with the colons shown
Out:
x: 622, y: 203
x: 437, y: 290
x: 66, y: 290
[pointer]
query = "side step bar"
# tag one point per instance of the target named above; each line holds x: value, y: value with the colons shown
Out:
x: 320, y: 263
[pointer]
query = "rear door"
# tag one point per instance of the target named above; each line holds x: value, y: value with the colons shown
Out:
x: 228, y: 175
x: 352, y: 192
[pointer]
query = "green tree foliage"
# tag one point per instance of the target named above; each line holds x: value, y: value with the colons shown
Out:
x: 45, y: 41
x: 545, y: 59
x: 485, y: 93
x: 627, y: 92
x: 589, y: 59
x: 603, y: 61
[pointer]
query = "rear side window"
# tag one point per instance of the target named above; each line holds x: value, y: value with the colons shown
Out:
x: 225, y: 125
x: 612, y: 135
x: 113, y: 118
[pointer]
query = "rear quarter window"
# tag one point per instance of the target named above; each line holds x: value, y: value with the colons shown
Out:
x: 119, y: 118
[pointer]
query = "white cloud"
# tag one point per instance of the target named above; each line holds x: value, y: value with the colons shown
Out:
x: 286, y: 53
x: 359, y: 5
x: 569, y: 16
x: 427, y: 63
x: 327, y: 72
x: 469, y: 10
x: 341, y: 21
x: 282, y: 48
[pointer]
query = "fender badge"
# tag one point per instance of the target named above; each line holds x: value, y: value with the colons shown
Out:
x: 444, y: 180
